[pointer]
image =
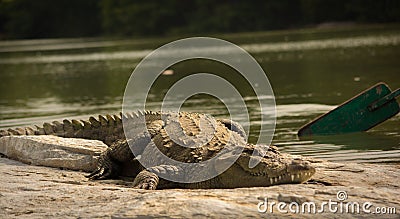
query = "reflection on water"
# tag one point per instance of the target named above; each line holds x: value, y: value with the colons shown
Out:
x: 359, y: 147
x: 310, y: 71
x: 338, y: 43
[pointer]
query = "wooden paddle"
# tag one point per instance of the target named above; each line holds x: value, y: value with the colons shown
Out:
x: 360, y: 113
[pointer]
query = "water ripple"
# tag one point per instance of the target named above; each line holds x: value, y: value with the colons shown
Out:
x: 350, y: 42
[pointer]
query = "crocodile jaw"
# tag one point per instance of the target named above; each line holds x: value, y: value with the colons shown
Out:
x: 295, y: 172
x: 272, y: 170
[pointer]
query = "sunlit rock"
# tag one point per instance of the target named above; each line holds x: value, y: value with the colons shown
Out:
x: 52, y: 151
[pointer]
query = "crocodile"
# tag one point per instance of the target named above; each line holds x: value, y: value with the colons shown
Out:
x: 184, y: 137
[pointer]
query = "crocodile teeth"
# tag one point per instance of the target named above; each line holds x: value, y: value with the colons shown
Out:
x: 292, y: 177
x: 279, y: 178
x: 271, y: 181
x: 276, y: 179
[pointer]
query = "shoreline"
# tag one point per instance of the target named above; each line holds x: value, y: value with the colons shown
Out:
x: 38, y: 191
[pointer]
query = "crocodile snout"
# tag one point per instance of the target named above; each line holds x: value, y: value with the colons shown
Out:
x: 300, y: 170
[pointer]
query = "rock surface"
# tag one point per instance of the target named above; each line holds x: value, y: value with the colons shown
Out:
x: 53, y: 151
x: 34, y: 191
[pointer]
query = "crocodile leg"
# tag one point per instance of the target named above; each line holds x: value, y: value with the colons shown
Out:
x: 146, y: 180
x: 109, y: 162
x: 149, y: 178
x: 120, y: 152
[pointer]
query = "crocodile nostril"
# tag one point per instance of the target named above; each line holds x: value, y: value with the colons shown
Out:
x: 297, y: 165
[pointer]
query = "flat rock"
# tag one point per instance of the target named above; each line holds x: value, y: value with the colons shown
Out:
x: 37, y: 192
x: 53, y: 151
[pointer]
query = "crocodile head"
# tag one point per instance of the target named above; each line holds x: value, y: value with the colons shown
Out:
x: 274, y: 168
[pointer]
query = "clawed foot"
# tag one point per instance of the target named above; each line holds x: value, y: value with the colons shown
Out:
x: 146, y: 180
x: 105, y: 169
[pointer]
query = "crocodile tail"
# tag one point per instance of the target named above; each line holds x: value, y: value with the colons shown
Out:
x: 106, y: 128
x: 4, y: 133
x: 66, y: 128
x: 19, y: 131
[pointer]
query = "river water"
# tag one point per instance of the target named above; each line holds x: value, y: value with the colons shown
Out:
x: 311, y: 72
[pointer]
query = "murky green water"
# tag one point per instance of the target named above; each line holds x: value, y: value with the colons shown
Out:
x: 311, y: 72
